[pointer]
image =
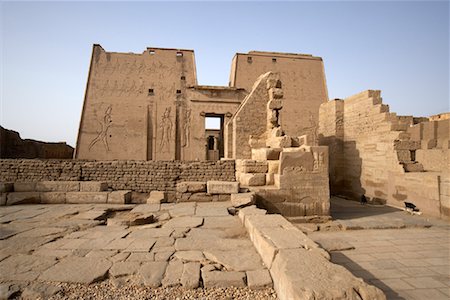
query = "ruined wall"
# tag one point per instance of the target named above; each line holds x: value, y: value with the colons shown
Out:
x: 139, y: 176
x: 250, y: 119
x: 372, y: 153
x: 303, y: 80
x: 13, y: 146
x: 133, y: 103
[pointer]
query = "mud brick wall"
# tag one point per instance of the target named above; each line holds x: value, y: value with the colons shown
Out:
x: 366, y: 144
x: 135, y: 175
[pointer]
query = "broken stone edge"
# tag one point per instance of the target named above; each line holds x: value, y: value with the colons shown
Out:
x: 258, y: 223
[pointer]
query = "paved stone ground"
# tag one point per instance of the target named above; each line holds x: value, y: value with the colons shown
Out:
x: 406, y: 256
x: 185, y: 245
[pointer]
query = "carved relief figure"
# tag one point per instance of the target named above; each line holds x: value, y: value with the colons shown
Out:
x: 103, y: 133
x: 187, y: 128
x: 166, y: 129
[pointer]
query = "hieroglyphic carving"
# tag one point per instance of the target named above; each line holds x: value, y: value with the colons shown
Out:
x: 312, y: 129
x: 102, y: 135
x: 166, y: 129
x: 319, y: 160
x: 187, y: 127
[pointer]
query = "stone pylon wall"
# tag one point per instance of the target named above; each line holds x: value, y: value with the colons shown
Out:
x: 366, y: 143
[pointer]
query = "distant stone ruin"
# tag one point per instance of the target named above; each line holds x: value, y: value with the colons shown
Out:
x: 13, y: 146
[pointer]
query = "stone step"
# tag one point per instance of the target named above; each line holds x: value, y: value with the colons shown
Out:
x: 114, y: 197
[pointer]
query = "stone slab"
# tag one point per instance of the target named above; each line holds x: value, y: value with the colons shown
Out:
x: 184, y: 222
x: 196, y: 243
x: 119, y: 197
x: 190, y: 278
x: 219, y: 279
x: 93, y: 186
x: 250, y: 210
x: 152, y: 273
x: 182, y: 209
x: 236, y: 260
x: 146, y: 208
x: 266, y: 153
x: 53, y: 197
x: 211, y: 210
x: 77, y: 270
x: 252, y: 179
x: 124, y: 268
x: 21, y: 267
x: 222, y: 187
x: 243, y: 199
x: 23, y: 198
x: 317, y: 277
x: 173, y: 274
x: 259, y: 279
x: 24, y: 186
x: 86, y: 197
x: 156, y: 197
x: 191, y: 187
x: 189, y: 256
x: 57, y: 186
x: 6, y: 187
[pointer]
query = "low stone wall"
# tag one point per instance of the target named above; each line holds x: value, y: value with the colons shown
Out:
x: 135, y: 175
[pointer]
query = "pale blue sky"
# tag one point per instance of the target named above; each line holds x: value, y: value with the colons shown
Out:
x: 401, y: 48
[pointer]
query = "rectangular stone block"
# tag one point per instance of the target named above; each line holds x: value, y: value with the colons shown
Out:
x: 2, y: 199
x: 191, y: 187
x: 221, y: 279
x: 86, y: 197
x: 252, y: 179
x: 57, y: 186
x: 157, y: 197
x: 273, y: 166
x: 53, y: 197
x: 6, y: 187
x: 119, y: 197
x: 406, y: 145
x: 201, y: 197
x: 222, y: 187
x: 93, y: 186
x: 24, y: 186
x: 266, y: 153
x: 22, y: 198
x: 251, y: 166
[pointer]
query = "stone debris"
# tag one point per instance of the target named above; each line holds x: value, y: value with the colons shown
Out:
x: 190, y: 256
x: 243, y: 199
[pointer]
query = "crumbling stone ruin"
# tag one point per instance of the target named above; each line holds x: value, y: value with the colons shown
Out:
x: 13, y: 146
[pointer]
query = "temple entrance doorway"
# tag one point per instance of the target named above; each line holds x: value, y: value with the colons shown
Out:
x: 214, y: 136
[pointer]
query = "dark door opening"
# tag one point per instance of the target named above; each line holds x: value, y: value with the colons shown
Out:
x: 214, y: 136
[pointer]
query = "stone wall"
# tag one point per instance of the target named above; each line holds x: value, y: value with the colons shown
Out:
x: 135, y: 175
x: 373, y: 152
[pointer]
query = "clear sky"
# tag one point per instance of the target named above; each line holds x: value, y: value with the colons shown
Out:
x: 401, y: 48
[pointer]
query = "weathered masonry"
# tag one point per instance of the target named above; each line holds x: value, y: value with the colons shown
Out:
x: 149, y: 106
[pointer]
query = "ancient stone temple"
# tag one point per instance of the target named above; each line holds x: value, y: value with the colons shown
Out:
x: 149, y: 106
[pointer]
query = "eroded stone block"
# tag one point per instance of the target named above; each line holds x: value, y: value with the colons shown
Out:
x: 243, y: 199
x: 23, y: 198
x: 93, y: 186
x: 119, y: 197
x: 53, y: 197
x: 86, y: 197
x: 222, y: 187
x: 252, y: 179
x: 57, y: 186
